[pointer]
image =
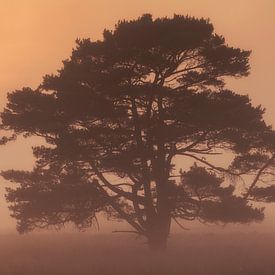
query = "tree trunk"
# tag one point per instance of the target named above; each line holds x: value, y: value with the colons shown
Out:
x: 160, y: 226
x: 159, y: 232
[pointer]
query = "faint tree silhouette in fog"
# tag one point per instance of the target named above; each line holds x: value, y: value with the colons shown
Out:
x: 118, y: 115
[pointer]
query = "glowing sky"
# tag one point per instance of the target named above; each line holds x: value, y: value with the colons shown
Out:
x: 36, y: 35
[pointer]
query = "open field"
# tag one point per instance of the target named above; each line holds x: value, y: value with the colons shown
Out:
x: 188, y: 253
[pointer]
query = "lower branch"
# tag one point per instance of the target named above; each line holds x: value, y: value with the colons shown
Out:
x: 258, y: 175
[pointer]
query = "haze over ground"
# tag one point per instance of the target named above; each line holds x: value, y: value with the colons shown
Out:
x: 38, y: 34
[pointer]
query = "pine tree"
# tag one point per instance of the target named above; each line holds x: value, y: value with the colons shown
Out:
x: 119, y: 113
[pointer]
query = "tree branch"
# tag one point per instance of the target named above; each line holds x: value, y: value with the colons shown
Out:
x: 179, y: 224
x: 257, y: 177
x: 124, y: 215
x: 217, y: 168
x: 113, y: 188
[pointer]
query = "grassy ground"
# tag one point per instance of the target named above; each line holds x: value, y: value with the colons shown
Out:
x: 188, y: 253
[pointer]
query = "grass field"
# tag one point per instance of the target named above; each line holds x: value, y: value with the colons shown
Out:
x: 188, y: 253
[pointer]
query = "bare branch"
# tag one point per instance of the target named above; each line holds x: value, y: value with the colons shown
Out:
x: 179, y: 224
x: 217, y: 168
x: 127, y: 231
x: 116, y: 207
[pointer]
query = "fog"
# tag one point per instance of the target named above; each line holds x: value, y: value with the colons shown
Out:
x: 188, y: 253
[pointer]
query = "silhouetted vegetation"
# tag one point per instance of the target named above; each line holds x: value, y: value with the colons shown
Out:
x: 119, y: 113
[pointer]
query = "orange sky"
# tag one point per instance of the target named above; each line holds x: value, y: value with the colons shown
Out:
x: 36, y: 35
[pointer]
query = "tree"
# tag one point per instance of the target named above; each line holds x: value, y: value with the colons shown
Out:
x: 117, y: 116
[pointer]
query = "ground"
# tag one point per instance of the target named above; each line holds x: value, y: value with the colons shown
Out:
x: 86, y: 253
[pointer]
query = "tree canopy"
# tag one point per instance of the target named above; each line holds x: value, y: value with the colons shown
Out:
x: 119, y: 113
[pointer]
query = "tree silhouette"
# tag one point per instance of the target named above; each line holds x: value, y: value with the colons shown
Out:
x: 122, y: 114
